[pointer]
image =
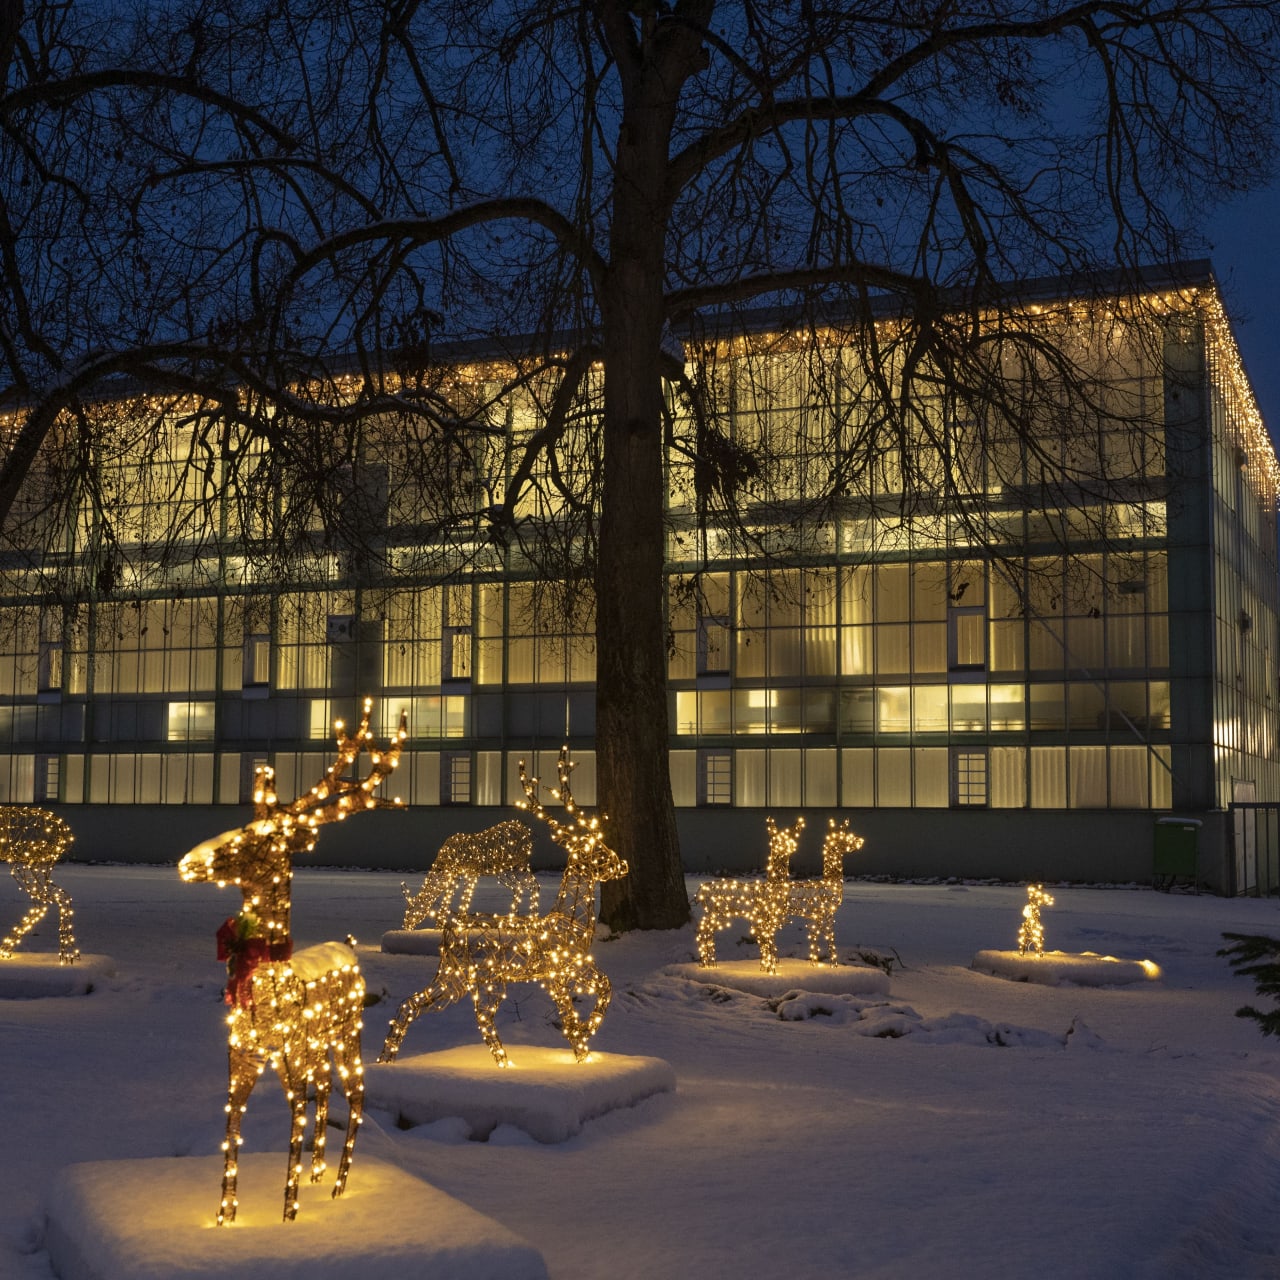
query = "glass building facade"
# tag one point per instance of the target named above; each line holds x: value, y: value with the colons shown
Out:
x: 1050, y: 672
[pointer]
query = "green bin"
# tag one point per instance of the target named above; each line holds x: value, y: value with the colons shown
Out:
x: 1176, y: 844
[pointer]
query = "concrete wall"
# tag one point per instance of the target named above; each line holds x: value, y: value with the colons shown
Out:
x: 1087, y: 846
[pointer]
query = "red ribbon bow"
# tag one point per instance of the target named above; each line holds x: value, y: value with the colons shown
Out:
x: 243, y: 955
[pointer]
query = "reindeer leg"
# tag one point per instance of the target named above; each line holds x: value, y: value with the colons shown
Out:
x: 706, y: 938
x: 346, y: 1060
x: 486, y: 997
x: 295, y: 1088
x: 447, y: 989
x: 767, y: 937
x: 242, y: 1075
x: 323, y: 1083
x: 590, y: 981
x: 67, y: 952
x: 32, y: 882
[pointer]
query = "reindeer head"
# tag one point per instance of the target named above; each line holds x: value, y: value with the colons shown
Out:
x: 783, y: 842
x: 583, y: 838
x: 258, y: 858
x: 840, y: 840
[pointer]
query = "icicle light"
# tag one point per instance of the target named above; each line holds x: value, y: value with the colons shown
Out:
x: 766, y: 905
x: 31, y: 841
x: 290, y: 1012
x: 481, y: 955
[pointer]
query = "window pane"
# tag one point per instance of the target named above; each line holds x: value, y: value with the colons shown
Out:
x: 968, y: 707
x: 857, y: 777
x: 893, y: 650
x: 1048, y: 777
x: 1088, y: 777
x: 930, y: 708
x: 893, y: 777
x: 932, y: 790
x: 893, y: 710
x: 1008, y: 777
x: 1129, y: 774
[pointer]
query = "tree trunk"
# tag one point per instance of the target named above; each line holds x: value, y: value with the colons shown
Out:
x: 631, y: 631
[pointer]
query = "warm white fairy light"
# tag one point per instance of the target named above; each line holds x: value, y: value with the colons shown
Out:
x: 480, y: 955
x: 292, y: 1012
x: 503, y: 851
x: 1031, y: 931
x: 31, y: 841
x: 766, y: 905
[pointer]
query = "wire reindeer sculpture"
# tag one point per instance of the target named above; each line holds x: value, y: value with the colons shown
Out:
x: 31, y: 842
x: 503, y: 851
x: 766, y: 905
x: 292, y: 1011
x: 482, y: 954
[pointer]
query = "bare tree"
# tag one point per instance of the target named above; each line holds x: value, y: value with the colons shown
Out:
x: 602, y: 193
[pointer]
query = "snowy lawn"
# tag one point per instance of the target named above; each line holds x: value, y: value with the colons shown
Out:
x: 959, y: 1126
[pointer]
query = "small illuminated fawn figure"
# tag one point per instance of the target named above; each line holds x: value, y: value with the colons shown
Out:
x: 290, y: 1011
x: 1031, y: 931
x: 504, y: 851
x: 31, y: 841
x: 482, y: 954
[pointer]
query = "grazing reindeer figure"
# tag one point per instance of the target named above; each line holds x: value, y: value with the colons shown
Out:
x: 503, y: 851
x: 761, y: 903
x: 31, y: 841
x: 290, y: 1011
x: 816, y: 901
x: 482, y: 954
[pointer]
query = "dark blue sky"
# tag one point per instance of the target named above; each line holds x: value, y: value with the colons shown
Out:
x: 1244, y: 237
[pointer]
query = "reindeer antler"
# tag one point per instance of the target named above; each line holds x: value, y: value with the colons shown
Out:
x: 331, y: 800
x: 559, y: 830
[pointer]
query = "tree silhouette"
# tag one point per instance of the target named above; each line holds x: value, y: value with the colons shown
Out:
x: 292, y: 211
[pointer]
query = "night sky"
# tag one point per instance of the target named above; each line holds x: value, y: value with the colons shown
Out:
x: 1243, y: 241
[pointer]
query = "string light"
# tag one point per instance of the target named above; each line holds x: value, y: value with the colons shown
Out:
x: 290, y: 1012
x: 1031, y: 931
x: 766, y: 905
x: 504, y: 851
x: 31, y: 841
x: 481, y: 954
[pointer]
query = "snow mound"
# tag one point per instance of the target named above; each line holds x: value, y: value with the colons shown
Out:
x: 1055, y: 968
x: 543, y: 1092
x: 747, y: 975
x: 31, y: 976
x: 411, y: 942
x: 153, y: 1219
x: 894, y: 1021
x: 315, y: 961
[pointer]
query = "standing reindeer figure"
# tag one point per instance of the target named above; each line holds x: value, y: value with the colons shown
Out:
x: 768, y: 904
x: 31, y: 841
x: 504, y: 851
x: 290, y: 1011
x: 482, y: 954
x: 816, y: 901
x: 761, y: 903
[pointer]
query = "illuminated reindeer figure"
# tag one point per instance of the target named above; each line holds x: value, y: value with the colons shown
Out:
x: 1031, y: 930
x: 31, y: 841
x: 766, y: 905
x: 290, y: 1011
x: 482, y: 954
x: 817, y: 901
x: 761, y: 903
x: 504, y: 851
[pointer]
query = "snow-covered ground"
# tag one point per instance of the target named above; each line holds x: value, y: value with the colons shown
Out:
x: 963, y: 1126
